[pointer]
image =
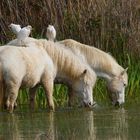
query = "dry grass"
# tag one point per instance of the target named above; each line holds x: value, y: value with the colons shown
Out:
x: 107, y: 24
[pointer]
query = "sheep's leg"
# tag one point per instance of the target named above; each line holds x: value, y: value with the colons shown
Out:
x: 48, y: 87
x: 70, y: 97
x: 32, y: 93
x: 11, y: 96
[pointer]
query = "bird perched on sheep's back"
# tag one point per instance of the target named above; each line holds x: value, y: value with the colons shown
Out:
x: 23, y: 34
x: 15, y: 28
x: 51, y: 33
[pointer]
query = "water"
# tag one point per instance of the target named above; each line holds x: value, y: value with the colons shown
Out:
x: 71, y: 124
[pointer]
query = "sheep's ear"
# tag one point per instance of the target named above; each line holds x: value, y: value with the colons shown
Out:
x: 124, y: 71
x: 83, y: 73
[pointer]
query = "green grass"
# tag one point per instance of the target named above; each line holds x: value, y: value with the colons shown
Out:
x: 99, y: 92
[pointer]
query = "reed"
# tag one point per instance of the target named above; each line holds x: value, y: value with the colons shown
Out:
x: 95, y: 22
x: 110, y: 25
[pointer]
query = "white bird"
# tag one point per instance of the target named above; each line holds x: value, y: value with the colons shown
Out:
x: 23, y: 34
x: 15, y: 28
x: 51, y: 33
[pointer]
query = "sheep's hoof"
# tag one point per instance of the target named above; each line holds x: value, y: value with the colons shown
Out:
x: 10, y: 109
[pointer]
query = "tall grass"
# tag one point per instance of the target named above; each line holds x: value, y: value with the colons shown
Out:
x: 99, y: 92
x: 111, y: 25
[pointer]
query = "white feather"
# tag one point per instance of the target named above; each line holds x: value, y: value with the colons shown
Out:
x: 51, y: 33
x: 15, y: 28
x: 23, y: 34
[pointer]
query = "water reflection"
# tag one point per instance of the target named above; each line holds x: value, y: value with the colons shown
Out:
x: 80, y: 124
x: 112, y: 124
x: 49, y: 133
x: 120, y: 124
x: 75, y: 125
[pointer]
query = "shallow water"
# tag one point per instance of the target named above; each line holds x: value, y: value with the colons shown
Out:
x: 71, y: 124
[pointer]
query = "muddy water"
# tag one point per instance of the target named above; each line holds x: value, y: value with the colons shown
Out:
x: 71, y: 124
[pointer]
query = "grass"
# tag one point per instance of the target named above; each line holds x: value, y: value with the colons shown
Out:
x: 99, y: 92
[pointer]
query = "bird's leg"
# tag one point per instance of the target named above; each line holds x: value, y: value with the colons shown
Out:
x: 23, y: 44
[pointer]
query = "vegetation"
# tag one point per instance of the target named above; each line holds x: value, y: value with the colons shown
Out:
x: 111, y: 25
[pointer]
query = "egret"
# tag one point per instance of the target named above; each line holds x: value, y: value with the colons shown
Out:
x: 23, y: 34
x: 15, y: 28
x: 51, y: 33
